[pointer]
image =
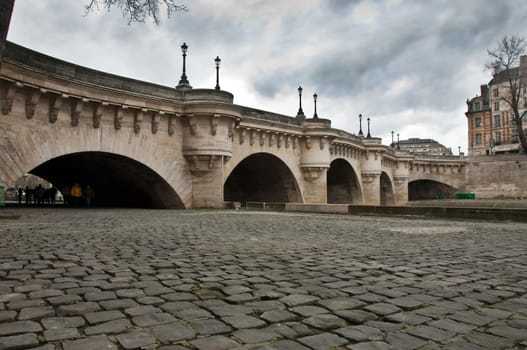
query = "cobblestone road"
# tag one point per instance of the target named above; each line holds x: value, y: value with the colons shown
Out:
x: 174, y: 280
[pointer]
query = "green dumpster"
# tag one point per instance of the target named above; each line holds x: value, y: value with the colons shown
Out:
x: 2, y: 200
x: 470, y: 196
x: 460, y: 196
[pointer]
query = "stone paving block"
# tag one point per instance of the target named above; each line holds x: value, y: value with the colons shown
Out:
x: 298, y: 299
x: 136, y: 339
x: 179, y: 296
x: 360, y: 333
x: 243, y: 321
x: 64, y: 299
x: 323, y: 341
x: 215, y: 342
x: 109, y: 327
x: 308, y: 310
x: 77, y: 309
x: 153, y: 319
x: 62, y: 322
x: 61, y: 334
x: 518, y: 323
x: 21, y: 341
x: 265, y: 305
x: 404, y: 341
x: 278, y: 316
x: 252, y: 336
x: 432, y: 333
x: 341, y: 303
x: 462, y: 345
x: 17, y: 327
x: 325, y: 321
x: 407, y: 302
x: 98, y: 342
x: 382, y: 309
x: 356, y: 316
x: 508, y: 332
x: 209, y: 326
x: 32, y: 313
x: 407, y: 318
x: 371, y: 345
x: 8, y: 297
x: 118, y: 304
x: 452, y: 326
x: 488, y: 340
x: 192, y: 313
x: 288, y: 345
x: 45, y: 293
x: 21, y: 304
x: 141, y: 310
x: 99, y: 296
x: 45, y: 347
x: 173, y: 332
x: 471, y: 317
x: 6, y: 316
x: 230, y: 310
x: 103, y: 316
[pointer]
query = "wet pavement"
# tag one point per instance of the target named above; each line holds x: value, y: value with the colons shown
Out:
x: 146, y: 279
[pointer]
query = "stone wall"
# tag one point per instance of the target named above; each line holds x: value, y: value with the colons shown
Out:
x: 499, y: 176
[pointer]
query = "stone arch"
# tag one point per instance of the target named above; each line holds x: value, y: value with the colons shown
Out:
x: 423, y: 189
x: 343, y: 185
x: 386, y: 188
x: 261, y: 177
x: 118, y: 181
x: 38, y: 141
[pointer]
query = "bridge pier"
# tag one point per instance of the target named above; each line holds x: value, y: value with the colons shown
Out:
x: 371, y: 182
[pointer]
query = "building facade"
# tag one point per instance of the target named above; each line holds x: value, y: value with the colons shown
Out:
x: 491, y: 128
x: 423, y: 147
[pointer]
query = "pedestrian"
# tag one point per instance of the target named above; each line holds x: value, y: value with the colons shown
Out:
x: 39, y: 194
x: 76, y: 194
x: 20, y: 192
x: 28, y: 195
x: 89, y: 194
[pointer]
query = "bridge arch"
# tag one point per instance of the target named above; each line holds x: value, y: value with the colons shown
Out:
x: 343, y: 185
x: 387, y: 194
x: 117, y: 180
x: 422, y: 189
x: 261, y: 177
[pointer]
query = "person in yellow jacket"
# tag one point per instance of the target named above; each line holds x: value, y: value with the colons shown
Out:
x: 76, y: 194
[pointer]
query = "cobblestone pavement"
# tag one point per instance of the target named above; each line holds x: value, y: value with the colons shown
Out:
x: 174, y: 280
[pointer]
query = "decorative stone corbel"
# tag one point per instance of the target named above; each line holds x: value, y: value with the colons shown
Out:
x: 279, y: 141
x: 262, y: 138
x: 193, y: 127
x: 308, y: 142
x: 242, y: 136
x: 287, y: 141
x: 369, y: 178
x: 200, y: 165
x: 171, y: 124
x: 97, y: 114
x: 138, y: 119
x: 214, y: 124
x: 295, y: 142
x: 252, y: 136
x: 156, y: 116
x: 271, y: 140
x: 400, y: 180
x: 32, y: 99
x: 54, y: 106
x: 311, y: 174
x: 230, y: 132
x: 119, y: 115
x: 7, y: 100
x: 322, y: 142
x: 76, y: 110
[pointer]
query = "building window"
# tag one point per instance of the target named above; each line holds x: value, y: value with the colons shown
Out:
x: 497, y: 123
x: 478, y: 139
x: 514, y: 137
x: 498, y: 137
x: 477, y: 106
x: 496, y: 106
x: 478, y: 122
x: 495, y: 92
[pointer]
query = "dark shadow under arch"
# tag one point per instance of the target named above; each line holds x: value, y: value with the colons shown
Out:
x: 343, y: 183
x: 118, y: 181
x: 261, y: 177
x: 429, y: 189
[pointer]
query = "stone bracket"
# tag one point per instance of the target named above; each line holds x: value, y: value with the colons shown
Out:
x: 118, y: 118
x: 312, y: 173
x: 156, y: 117
x: 370, y: 177
x: 54, y: 107
x: 7, y: 99
x: 32, y: 99
x: 97, y: 114
x: 138, y: 119
x: 76, y: 110
x: 171, y: 124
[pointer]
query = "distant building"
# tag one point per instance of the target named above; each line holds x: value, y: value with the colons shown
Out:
x: 491, y: 128
x: 423, y: 147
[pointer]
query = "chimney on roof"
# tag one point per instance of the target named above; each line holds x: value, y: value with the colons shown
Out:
x: 497, y: 68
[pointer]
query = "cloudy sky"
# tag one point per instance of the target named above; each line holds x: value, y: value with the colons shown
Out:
x: 409, y: 65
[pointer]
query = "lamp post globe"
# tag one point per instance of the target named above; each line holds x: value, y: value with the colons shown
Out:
x: 217, y: 60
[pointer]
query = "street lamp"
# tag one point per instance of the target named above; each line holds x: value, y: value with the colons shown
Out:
x: 315, y: 116
x: 360, y: 125
x: 300, y: 113
x: 368, y: 135
x: 183, y: 82
x: 217, y: 60
x: 392, y: 140
x: 398, y: 144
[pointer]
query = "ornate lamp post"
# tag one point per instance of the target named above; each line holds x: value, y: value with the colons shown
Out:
x: 392, y: 140
x: 360, y: 125
x: 300, y: 113
x: 368, y: 135
x: 217, y: 60
x: 315, y: 116
x: 183, y: 82
x: 398, y: 144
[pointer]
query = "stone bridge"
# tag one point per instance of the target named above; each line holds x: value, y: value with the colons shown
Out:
x: 145, y: 145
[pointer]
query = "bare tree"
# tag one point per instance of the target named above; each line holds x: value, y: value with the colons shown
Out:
x: 507, y: 56
x: 137, y: 10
